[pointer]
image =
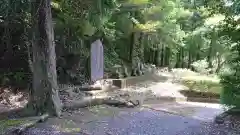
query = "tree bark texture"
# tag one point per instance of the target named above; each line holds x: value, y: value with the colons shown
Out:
x: 189, y: 58
x: 167, y: 56
x: 136, y: 54
x: 211, y: 49
x: 157, y: 57
x: 44, y: 96
x: 162, y: 55
x: 141, y: 55
x: 178, y: 59
x: 182, y: 59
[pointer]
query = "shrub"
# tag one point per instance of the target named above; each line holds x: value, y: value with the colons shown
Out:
x: 230, y: 95
x: 201, y: 66
x: 230, y: 80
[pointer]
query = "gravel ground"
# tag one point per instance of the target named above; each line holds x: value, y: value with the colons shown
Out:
x: 145, y: 122
x: 140, y: 121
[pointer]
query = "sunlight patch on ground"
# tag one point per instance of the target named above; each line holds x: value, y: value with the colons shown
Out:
x: 66, y: 129
x: 201, y: 78
x: 208, y: 105
x: 67, y: 126
x: 101, y: 110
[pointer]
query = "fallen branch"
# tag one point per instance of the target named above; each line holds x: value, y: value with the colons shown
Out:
x: 93, y: 101
x: 71, y: 104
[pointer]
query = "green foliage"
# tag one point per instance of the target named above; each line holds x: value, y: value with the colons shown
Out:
x: 194, y: 34
x: 201, y: 66
x: 230, y: 78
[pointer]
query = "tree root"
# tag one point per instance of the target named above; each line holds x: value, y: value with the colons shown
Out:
x: 36, y: 120
x: 100, y: 101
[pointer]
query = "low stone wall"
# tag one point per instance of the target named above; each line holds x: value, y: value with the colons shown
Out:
x: 131, y: 81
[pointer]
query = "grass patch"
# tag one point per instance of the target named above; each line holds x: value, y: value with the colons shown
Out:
x: 202, y: 86
x: 8, y: 124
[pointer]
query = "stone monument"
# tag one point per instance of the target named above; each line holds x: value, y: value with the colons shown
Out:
x: 97, y: 61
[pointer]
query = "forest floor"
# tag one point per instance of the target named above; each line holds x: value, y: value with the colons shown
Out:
x: 156, y: 115
x: 180, y: 118
x: 170, y: 87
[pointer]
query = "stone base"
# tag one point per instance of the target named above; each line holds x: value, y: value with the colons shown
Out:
x: 121, y: 83
x: 131, y: 81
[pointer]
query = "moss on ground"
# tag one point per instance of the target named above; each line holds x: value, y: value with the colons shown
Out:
x: 6, y: 125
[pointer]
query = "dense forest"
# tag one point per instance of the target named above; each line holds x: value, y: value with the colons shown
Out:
x: 53, y: 37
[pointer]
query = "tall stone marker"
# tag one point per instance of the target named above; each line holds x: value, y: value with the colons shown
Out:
x: 97, y: 61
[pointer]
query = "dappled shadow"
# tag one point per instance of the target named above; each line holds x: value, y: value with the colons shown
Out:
x: 135, y: 89
x: 141, y: 122
x: 106, y: 120
x: 74, y: 122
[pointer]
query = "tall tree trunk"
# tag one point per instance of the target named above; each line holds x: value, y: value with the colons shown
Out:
x: 212, y: 43
x: 151, y: 54
x: 178, y: 59
x: 141, y: 45
x: 162, y: 54
x: 132, y: 40
x: 182, y: 57
x: 44, y: 96
x: 198, y: 57
x: 189, y: 58
x: 6, y: 39
x: 147, y: 56
x: 167, y: 56
x: 157, y: 57
x: 209, y: 57
x: 219, y: 63
x: 136, y: 50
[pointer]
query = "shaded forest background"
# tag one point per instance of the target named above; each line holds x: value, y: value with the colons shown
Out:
x: 201, y: 35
